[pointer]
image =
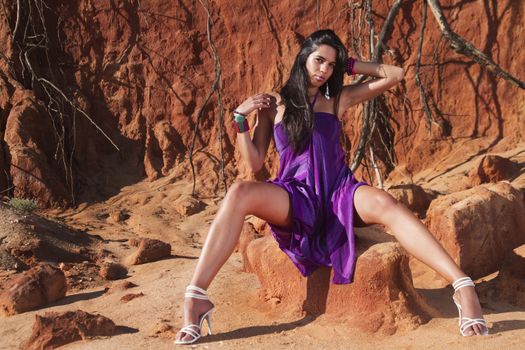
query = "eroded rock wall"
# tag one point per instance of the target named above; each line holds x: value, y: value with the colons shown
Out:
x: 142, y: 71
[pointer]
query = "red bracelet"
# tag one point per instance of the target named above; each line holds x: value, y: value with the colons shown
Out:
x: 241, y: 127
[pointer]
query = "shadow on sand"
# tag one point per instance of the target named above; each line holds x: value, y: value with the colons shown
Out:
x: 255, y: 331
x: 70, y: 299
x: 314, y: 305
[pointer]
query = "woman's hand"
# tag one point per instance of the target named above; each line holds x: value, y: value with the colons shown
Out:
x: 254, y: 102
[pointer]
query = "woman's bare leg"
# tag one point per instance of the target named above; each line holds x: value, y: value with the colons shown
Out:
x: 378, y: 207
x: 266, y: 201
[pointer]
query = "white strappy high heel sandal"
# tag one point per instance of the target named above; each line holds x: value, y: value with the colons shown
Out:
x: 194, y: 330
x: 466, y: 322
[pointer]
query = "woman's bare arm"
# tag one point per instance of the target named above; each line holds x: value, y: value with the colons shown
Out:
x: 387, y: 76
x: 253, y: 151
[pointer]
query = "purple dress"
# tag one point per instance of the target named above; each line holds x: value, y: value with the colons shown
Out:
x: 321, y: 189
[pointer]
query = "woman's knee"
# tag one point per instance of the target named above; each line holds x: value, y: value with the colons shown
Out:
x: 238, y: 195
x: 384, y: 206
x: 385, y: 201
x: 387, y: 206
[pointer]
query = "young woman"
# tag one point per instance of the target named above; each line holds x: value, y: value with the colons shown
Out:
x: 315, y: 201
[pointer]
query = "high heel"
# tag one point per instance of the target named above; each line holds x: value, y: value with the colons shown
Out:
x: 466, y: 322
x: 194, y: 330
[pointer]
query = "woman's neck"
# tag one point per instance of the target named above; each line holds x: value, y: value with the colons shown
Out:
x: 312, y: 91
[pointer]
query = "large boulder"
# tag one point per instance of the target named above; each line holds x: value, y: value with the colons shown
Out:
x: 413, y: 196
x: 381, y: 298
x: 492, y: 169
x: 36, y: 287
x: 54, y: 329
x: 509, y: 285
x: 479, y: 227
x: 248, y: 234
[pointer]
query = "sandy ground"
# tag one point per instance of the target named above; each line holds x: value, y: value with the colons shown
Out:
x: 241, y: 319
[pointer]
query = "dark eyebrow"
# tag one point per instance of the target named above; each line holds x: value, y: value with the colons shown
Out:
x: 319, y: 56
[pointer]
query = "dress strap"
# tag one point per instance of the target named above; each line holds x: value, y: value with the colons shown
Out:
x: 315, y: 99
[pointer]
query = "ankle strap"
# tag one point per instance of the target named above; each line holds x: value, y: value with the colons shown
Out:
x: 189, y: 294
x: 462, y: 282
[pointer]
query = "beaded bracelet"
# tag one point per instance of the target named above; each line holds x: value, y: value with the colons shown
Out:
x: 350, y: 66
x: 240, y: 124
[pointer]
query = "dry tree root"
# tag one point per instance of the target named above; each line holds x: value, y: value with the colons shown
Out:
x: 216, y: 86
x: 32, y: 66
x: 375, y: 111
x: 361, y: 12
x: 465, y: 48
x: 422, y: 92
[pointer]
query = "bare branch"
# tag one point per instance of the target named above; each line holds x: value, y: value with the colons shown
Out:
x: 17, y: 19
x: 422, y: 93
x: 465, y: 48
x: 376, y: 168
x: 79, y: 109
x: 201, y: 110
x: 317, y: 14
x: 368, y: 110
x: 218, y: 74
x: 386, y: 31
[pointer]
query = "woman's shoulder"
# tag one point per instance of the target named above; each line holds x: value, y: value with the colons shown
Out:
x: 276, y: 109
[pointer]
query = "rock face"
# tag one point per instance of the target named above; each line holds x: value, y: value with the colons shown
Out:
x: 510, y: 283
x: 479, y: 227
x: 32, y: 168
x: 152, y: 116
x: 149, y: 250
x: 36, y: 287
x: 381, y: 298
x: 54, y: 329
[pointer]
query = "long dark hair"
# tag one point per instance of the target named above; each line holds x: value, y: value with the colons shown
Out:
x: 298, y: 118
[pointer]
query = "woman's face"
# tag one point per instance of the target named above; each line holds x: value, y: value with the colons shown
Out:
x: 320, y: 65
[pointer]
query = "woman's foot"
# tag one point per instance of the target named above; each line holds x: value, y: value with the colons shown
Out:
x: 193, y: 309
x: 470, y: 308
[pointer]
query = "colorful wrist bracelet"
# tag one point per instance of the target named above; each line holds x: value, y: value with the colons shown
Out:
x: 350, y: 66
x: 240, y: 124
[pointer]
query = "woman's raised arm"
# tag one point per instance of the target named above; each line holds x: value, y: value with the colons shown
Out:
x: 253, y: 152
x: 387, y: 76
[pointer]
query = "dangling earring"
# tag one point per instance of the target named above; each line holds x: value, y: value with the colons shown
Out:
x: 327, y: 92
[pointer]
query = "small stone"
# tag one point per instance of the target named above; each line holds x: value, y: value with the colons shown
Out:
x: 123, y: 285
x: 128, y: 297
x: 149, y: 250
x: 55, y: 329
x: 113, y: 271
x: 187, y: 205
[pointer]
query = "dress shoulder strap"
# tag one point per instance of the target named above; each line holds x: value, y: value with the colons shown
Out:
x: 312, y: 104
